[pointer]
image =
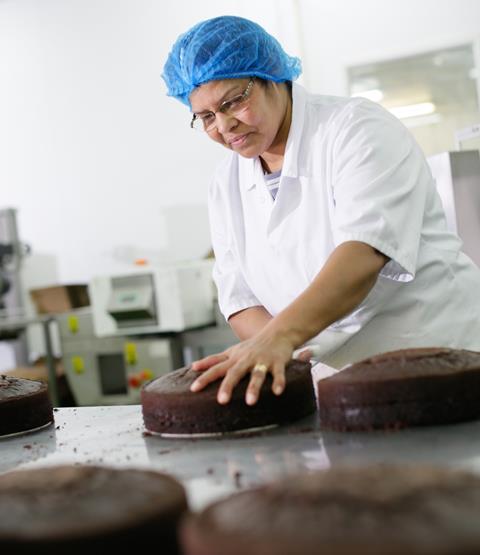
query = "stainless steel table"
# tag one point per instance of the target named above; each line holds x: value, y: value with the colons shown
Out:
x: 213, y: 468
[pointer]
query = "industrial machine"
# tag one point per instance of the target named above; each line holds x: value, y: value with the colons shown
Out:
x: 170, y: 298
x: 12, y: 252
x: 133, y: 330
x: 457, y: 176
x: 469, y: 136
x: 112, y: 370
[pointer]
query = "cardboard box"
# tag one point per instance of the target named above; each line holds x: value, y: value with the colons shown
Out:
x: 60, y: 298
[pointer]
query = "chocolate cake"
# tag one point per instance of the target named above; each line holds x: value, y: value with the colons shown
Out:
x: 377, y: 510
x: 24, y: 405
x: 170, y: 407
x: 410, y: 387
x: 89, y: 509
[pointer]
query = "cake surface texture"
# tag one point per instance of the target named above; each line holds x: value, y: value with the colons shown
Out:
x: 170, y: 407
x: 24, y: 405
x: 409, y: 510
x: 410, y: 387
x: 71, y: 509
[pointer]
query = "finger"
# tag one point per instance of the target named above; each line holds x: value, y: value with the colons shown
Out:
x: 229, y: 382
x: 253, y: 390
x: 209, y: 376
x: 279, y: 380
x: 205, y: 363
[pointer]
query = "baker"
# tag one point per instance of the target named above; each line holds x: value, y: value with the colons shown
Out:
x: 329, y: 236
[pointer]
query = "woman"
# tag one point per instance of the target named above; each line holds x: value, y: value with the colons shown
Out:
x: 327, y: 229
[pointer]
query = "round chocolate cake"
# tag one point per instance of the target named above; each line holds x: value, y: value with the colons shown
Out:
x: 24, y: 405
x: 73, y: 509
x: 411, y: 387
x: 169, y: 407
x: 377, y: 510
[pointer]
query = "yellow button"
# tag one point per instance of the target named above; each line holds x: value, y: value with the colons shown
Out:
x: 73, y: 324
x: 78, y: 365
x: 131, y: 353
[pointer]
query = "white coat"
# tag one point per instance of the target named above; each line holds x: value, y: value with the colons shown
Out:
x: 351, y: 172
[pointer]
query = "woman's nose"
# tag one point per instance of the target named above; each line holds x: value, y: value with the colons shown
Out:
x: 225, y: 123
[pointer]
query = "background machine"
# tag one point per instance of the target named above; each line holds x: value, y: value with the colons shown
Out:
x: 12, y: 311
x: 171, y: 298
x: 111, y: 370
x: 457, y: 176
x: 141, y: 324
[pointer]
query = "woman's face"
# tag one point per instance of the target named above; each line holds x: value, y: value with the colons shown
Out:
x: 259, y: 128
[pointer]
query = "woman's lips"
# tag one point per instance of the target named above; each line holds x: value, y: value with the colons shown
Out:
x: 238, y: 141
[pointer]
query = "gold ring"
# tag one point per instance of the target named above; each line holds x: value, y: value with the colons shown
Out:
x: 261, y: 368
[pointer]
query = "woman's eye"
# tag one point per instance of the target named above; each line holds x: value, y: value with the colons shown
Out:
x: 232, y: 104
x: 208, y: 119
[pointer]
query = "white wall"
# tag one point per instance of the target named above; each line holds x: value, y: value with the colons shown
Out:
x: 99, y: 161
x: 93, y: 153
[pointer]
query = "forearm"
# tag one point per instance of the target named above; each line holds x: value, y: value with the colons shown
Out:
x: 247, y: 323
x: 342, y: 284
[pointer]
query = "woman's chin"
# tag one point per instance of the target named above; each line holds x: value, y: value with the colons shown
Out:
x: 247, y: 151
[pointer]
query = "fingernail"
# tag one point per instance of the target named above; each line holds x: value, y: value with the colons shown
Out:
x: 222, y: 397
x: 195, y: 386
x: 251, y: 399
x: 278, y: 389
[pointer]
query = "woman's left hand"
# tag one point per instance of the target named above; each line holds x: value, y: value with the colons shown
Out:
x: 258, y: 356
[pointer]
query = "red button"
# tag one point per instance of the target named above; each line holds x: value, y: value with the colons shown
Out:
x: 134, y: 381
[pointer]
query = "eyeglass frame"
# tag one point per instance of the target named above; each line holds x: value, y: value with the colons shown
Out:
x: 223, y: 109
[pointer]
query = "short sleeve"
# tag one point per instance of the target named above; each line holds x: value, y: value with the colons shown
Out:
x: 234, y: 293
x: 380, y: 183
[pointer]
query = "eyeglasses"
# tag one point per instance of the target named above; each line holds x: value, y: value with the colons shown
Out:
x: 232, y: 107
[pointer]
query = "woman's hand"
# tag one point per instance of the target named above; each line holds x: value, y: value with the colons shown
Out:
x: 258, y: 356
x: 333, y: 294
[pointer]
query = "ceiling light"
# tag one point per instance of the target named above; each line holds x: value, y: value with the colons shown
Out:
x: 413, y: 110
x: 373, y: 94
x: 421, y: 121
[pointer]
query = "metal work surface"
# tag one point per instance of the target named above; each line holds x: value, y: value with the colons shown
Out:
x: 212, y: 468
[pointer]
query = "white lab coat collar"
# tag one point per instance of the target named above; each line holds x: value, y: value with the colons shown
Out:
x: 253, y: 166
x: 291, y: 162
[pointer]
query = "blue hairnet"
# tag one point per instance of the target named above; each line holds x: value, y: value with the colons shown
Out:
x: 225, y: 47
